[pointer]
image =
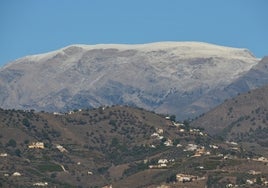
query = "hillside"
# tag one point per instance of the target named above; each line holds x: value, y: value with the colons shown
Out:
x: 166, y: 77
x: 242, y: 119
x: 118, y: 146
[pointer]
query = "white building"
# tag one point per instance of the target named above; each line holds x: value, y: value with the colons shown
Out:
x: 36, y: 145
x: 61, y: 148
x: 162, y: 161
x: 40, y: 184
x: 3, y: 154
x: 16, y: 174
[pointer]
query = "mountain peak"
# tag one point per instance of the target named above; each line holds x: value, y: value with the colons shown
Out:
x: 158, y: 76
x: 182, y: 49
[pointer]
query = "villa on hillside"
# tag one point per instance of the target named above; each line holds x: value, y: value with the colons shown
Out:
x: 185, y: 177
x: 61, y: 148
x: 3, y: 154
x: 36, y: 145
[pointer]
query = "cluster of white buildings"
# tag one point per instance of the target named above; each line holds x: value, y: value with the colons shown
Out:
x: 185, y: 177
x: 199, y: 150
x: 158, y: 134
x: 162, y: 163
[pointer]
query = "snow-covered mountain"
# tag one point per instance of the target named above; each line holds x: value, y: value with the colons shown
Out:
x: 166, y: 77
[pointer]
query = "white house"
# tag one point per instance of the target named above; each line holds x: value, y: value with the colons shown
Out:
x: 214, y: 146
x: 261, y: 159
x: 108, y: 186
x: 253, y: 172
x: 168, y: 143
x: 162, y: 161
x: 61, y: 148
x: 36, y: 145
x: 155, y: 135
x: 162, y: 165
x: 160, y: 131
x: 3, y: 154
x: 40, y: 184
x: 250, y: 182
x: 16, y: 174
x: 185, y: 177
x: 179, y: 145
x: 190, y: 147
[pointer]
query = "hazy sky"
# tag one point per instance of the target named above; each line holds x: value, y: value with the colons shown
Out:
x: 36, y: 26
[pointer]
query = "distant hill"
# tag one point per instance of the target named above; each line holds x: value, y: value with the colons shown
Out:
x: 101, y: 145
x: 181, y: 78
x: 243, y: 119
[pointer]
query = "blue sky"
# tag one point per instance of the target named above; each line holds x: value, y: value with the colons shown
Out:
x: 38, y: 26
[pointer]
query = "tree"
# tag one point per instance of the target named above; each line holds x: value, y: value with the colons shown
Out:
x: 198, y: 140
x: 173, y: 118
x: 112, y: 122
x: 18, y: 152
x: 258, y: 180
x: 11, y: 143
x: 114, y: 142
x: 171, y: 179
x: 26, y: 141
x: 186, y: 124
x: 176, y: 141
x: 53, y: 175
x: 26, y: 122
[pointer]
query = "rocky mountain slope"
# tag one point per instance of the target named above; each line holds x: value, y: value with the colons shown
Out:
x: 255, y: 78
x: 182, y: 78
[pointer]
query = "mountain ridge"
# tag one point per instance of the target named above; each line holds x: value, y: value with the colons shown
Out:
x: 152, y: 76
x: 145, y: 46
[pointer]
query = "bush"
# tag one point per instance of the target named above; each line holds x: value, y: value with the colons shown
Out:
x: 173, y: 118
